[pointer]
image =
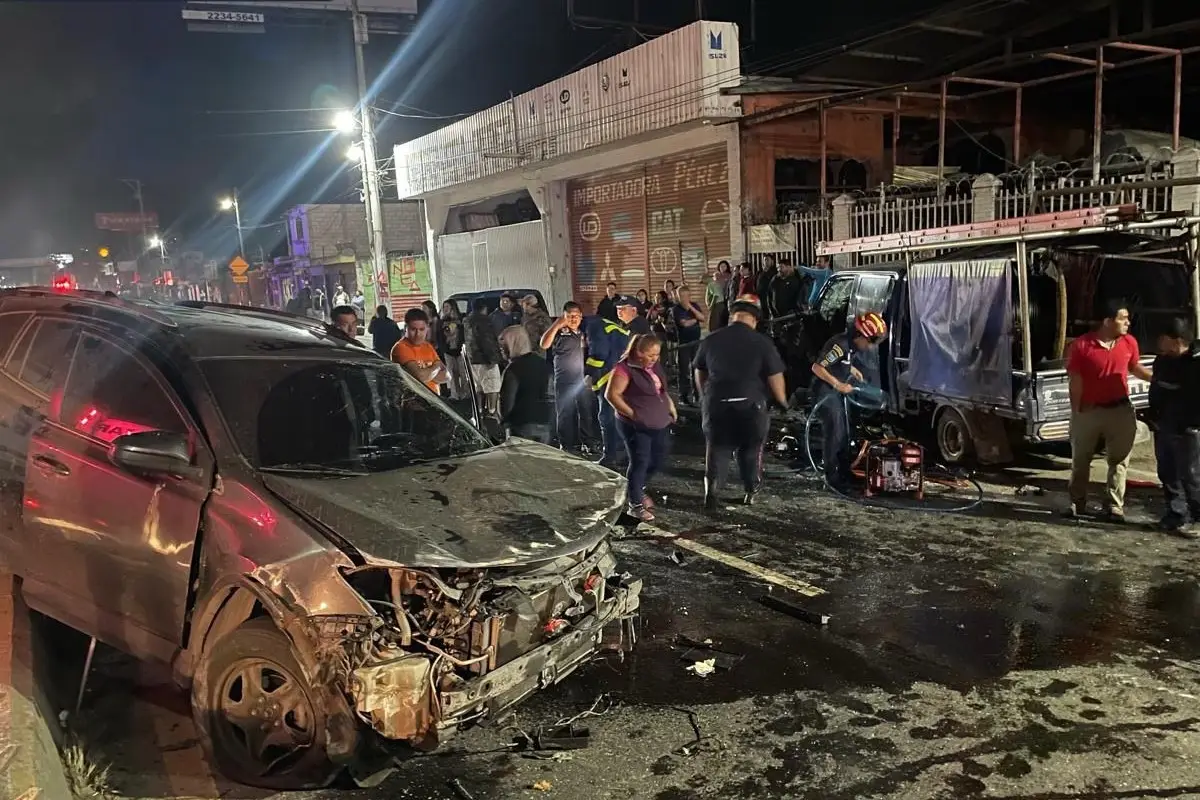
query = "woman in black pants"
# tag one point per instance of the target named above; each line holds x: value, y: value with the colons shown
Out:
x: 645, y: 412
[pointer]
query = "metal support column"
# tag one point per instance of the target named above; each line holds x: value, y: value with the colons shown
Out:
x: 824, y: 153
x: 942, y: 130
x: 1098, y: 114
x: 1193, y: 251
x: 1178, y: 100
x: 370, y: 165
x: 1023, y: 308
x: 896, y: 138
x: 1016, y: 148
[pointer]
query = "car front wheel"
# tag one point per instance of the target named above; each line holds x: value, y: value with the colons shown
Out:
x: 260, y: 721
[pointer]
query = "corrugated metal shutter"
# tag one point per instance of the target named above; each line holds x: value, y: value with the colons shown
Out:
x: 455, y: 270
x: 665, y: 220
x: 504, y: 257
x: 608, y: 234
x: 688, y: 218
x: 517, y: 257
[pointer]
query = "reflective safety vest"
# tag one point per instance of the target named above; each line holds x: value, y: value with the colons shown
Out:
x: 606, y: 344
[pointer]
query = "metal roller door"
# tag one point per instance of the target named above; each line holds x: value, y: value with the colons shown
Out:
x: 608, y: 234
x: 664, y: 220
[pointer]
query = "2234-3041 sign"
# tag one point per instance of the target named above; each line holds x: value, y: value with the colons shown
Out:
x: 206, y: 15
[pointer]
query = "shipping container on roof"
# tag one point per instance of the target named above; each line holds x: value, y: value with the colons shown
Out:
x: 670, y: 81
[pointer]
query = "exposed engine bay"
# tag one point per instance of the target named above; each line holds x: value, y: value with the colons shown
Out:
x: 455, y: 646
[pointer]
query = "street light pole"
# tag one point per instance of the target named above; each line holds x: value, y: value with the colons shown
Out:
x: 237, y: 220
x: 233, y: 202
x: 370, y: 161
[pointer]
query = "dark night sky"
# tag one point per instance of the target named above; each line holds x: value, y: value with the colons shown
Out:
x: 94, y: 92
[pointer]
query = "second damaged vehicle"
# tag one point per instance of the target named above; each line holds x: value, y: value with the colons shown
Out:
x: 339, y: 567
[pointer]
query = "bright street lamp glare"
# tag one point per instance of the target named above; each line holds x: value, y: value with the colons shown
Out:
x: 354, y: 152
x: 226, y: 203
x: 344, y: 121
x: 155, y: 241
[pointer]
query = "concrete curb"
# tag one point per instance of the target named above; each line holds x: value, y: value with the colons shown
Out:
x: 30, y: 765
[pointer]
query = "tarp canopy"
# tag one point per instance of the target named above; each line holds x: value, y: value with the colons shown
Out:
x: 961, y: 315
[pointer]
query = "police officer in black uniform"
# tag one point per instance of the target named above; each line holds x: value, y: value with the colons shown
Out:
x: 1174, y: 414
x: 737, y: 372
x: 842, y: 362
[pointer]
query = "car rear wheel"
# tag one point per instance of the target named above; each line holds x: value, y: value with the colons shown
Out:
x: 954, y: 442
x: 260, y: 721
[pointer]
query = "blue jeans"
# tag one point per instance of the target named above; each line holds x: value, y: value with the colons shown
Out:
x: 608, y: 430
x: 1178, y: 456
x: 647, y: 450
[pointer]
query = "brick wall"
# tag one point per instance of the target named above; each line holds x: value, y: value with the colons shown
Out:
x: 327, y: 225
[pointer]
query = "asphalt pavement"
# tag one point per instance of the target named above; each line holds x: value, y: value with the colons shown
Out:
x: 1002, y: 653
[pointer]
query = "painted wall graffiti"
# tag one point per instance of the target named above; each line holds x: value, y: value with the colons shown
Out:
x: 667, y: 220
x: 410, y: 283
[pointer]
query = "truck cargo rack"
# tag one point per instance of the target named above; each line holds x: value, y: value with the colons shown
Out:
x: 1006, y: 231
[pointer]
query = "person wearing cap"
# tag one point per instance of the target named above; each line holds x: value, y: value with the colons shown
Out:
x: 738, y: 372
x: 607, y: 341
x: 838, y: 368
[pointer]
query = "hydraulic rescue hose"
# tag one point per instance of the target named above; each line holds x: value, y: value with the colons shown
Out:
x: 871, y: 398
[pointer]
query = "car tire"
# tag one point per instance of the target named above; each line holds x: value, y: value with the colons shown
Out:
x: 953, y: 438
x: 250, y: 695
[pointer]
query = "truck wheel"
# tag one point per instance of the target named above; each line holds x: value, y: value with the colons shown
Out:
x: 953, y: 437
x: 259, y: 720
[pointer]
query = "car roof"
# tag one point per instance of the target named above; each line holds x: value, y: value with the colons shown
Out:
x: 206, y: 330
x: 490, y: 293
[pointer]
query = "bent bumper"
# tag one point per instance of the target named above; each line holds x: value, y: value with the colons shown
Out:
x: 397, y: 699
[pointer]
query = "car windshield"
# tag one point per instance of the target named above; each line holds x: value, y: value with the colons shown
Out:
x: 341, y: 417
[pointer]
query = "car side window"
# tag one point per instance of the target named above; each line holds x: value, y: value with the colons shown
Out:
x: 834, y: 305
x: 872, y: 293
x: 43, y: 357
x: 111, y: 394
x: 11, y: 325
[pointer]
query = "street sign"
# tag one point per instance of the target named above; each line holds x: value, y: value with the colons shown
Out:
x: 408, y: 7
x: 223, y: 16
x: 241, y: 278
x: 238, y: 267
x: 129, y: 222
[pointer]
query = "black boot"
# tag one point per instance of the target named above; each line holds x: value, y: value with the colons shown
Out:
x: 710, y: 502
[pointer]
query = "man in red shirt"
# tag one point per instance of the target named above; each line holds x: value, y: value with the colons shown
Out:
x: 1098, y: 368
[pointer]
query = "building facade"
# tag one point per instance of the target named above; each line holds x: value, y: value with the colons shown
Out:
x: 618, y: 172
x: 327, y: 240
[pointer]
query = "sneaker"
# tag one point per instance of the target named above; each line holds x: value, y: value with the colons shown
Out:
x: 1113, y: 517
x: 748, y: 498
x: 1186, y: 532
x: 640, y: 513
x: 1073, y: 511
x: 648, y: 501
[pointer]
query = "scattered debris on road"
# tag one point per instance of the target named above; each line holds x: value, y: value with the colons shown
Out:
x: 794, y: 610
x: 542, y: 786
x: 703, y: 668
x: 460, y: 791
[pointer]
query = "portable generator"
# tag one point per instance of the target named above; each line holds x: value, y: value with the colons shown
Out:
x: 893, y: 466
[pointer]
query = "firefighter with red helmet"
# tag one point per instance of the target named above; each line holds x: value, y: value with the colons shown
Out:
x: 838, y: 368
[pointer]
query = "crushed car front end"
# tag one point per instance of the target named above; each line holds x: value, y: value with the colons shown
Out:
x: 453, y: 647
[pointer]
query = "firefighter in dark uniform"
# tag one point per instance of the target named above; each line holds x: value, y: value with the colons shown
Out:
x: 839, y: 366
x: 1174, y: 414
x: 738, y: 372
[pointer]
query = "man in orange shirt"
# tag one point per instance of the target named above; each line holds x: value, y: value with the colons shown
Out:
x: 416, y: 355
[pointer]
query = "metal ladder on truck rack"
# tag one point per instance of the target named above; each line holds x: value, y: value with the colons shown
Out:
x: 1084, y: 220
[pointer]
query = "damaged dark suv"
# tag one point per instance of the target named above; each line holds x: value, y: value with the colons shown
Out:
x: 339, y: 566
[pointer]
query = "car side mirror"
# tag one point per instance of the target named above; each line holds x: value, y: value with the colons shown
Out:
x: 154, y: 453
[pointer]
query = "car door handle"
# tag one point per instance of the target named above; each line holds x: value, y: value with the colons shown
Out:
x: 50, y: 466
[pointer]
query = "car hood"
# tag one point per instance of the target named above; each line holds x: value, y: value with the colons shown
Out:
x: 512, y: 504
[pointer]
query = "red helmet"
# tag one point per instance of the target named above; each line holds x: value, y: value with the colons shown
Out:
x: 870, y: 325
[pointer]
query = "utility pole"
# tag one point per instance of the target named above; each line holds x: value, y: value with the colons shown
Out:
x: 370, y: 160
